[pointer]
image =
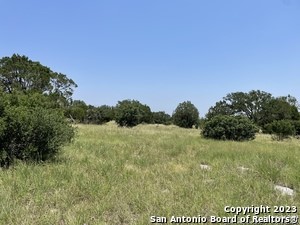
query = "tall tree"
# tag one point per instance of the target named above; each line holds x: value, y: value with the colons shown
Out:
x: 221, y: 108
x: 248, y: 104
x: 19, y: 73
x: 240, y: 103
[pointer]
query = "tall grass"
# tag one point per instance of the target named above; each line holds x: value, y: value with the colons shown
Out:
x: 113, y: 175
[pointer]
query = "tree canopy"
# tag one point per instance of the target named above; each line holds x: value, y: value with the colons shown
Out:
x: 161, y: 117
x: 240, y: 103
x: 186, y: 115
x: 130, y: 113
x: 32, y: 124
x: 19, y: 73
x: 261, y: 108
x: 278, y: 109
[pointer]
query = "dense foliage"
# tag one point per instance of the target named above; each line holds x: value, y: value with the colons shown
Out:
x: 33, y: 100
x: 296, y: 125
x: 278, y: 109
x: 261, y: 108
x: 76, y: 111
x: 281, y: 129
x: 229, y: 128
x: 19, y: 73
x: 240, y: 103
x: 161, y: 118
x: 130, y: 113
x: 99, y: 115
x: 30, y: 129
x: 186, y: 115
x: 79, y: 111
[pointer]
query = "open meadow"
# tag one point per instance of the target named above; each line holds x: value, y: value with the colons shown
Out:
x: 112, y: 175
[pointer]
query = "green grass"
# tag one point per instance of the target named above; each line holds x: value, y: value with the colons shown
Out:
x: 112, y: 175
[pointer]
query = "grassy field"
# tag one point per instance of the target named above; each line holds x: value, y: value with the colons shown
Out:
x: 112, y: 175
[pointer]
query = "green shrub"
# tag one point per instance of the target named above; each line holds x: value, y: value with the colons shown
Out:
x: 130, y: 113
x: 296, y: 124
x: 161, y: 118
x: 281, y: 129
x: 186, y: 115
x: 30, y: 100
x: 229, y: 128
x: 31, y: 133
x: 107, y: 113
x: 99, y: 115
x: 76, y: 111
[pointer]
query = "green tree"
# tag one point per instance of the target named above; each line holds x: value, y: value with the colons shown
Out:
x: 221, y: 108
x: 29, y: 100
x: 19, y: 73
x: 258, y: 106
x: 296, y: 124
x: 240, y: 103
x: 186, y: 115
x: 77, y: 111
x: 107, y: 113
x: 99, y: 115
x: 291, y: 100
x: 130, y: 113
x: 32, y: 122
x: 278, y: 109
x: 281, y: 129
x: 161, y: 117
x: 91, y: 116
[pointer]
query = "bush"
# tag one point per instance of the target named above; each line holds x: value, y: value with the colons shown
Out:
x: 107, y: 113
x: 99, y: 115
x: 229, y: 128
x: 281, y: 129
x: 130, y: 113
x: 31, y: 133
x: 161, y: 118
x: 296, y: 124
x: 186, y: 115
x: 76, y: 111
x: 29, y: 100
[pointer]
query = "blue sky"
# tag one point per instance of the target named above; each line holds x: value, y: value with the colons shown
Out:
x: 160, y: 52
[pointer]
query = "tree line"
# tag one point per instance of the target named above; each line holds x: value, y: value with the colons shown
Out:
x: 238, y: 116
x: 36, y: 108
x: 130, y: 113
